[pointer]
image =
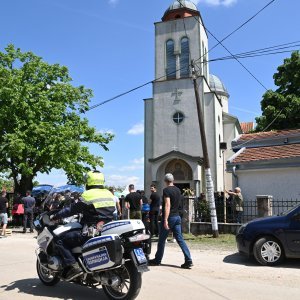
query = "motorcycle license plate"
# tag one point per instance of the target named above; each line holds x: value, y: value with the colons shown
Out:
x: 140, y: 256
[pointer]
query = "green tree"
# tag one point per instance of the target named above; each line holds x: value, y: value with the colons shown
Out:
x: 284, y: 103
x: 6, y: 183
x: 40, y: 123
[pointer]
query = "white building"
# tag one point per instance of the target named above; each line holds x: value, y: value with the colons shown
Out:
x: 172, y: 136
x: 267, y: 163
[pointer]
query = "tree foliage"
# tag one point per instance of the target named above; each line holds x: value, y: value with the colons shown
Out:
x: 6, y: 183
x: 284, y: 103
x: 40, y: 121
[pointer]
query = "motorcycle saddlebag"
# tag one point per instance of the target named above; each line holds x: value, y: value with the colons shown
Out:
x: 102, y: 252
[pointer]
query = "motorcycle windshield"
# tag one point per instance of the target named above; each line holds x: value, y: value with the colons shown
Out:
x: 61, y: 196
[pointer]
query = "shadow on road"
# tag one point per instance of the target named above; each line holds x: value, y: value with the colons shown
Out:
x: 170, y: 266
x: 238, y: 259
x: 63, y: 290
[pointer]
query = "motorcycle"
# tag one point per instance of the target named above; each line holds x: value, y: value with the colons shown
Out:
x: 114, y: 260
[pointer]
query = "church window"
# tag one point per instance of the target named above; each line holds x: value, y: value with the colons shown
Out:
x: 178, y: 118
x: 171, y: 60
x: 185, y: 58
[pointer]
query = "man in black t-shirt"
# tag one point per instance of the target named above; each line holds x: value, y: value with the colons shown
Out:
x: 155, y: 204
x: 3, y: 212
x: 171, y: 221
x: 134, y: 202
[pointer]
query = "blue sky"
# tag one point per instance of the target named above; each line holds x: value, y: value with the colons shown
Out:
x: 108, y: 46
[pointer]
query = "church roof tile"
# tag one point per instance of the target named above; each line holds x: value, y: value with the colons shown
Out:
x: 247, y: 126
x: 268, y: 135
x: 268, y: 153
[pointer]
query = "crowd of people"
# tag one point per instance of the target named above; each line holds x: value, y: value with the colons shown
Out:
x: 229, y: 208
x: 107, y: 207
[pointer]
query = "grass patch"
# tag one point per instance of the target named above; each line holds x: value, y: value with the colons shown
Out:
x: 226, y: 240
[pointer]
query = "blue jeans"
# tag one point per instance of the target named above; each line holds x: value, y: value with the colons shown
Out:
x: 115, y: 217
x: 68, y: 241
x: 175, y: 227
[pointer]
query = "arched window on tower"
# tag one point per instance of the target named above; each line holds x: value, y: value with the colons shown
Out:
x: 185, y: 58
x: 171, y: 60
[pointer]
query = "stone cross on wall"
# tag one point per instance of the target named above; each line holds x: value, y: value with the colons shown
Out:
x: 177, y: 93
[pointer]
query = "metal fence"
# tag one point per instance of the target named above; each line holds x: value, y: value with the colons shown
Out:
x: 226, y: 211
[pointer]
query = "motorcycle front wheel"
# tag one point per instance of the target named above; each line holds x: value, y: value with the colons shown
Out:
x: 130, y: 283
x: 45, y: 276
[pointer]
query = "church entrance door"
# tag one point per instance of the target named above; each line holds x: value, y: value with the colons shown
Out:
x: 182, y: 186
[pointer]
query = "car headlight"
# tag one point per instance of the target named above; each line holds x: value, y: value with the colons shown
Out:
x: 242, y: 229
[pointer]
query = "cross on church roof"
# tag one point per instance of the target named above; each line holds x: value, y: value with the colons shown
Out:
x: 175, y: 148
x: 177, y: 93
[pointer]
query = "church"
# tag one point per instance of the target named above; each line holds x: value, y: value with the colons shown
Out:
x: 172, y: 134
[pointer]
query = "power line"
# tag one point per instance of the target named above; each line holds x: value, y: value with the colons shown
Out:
x: 246, y: 22
x: 120, y: 95
x: 220, y: 43
x: 149, y: 82
x: 239, y: 55
x: 266, y: 128
x: 270, y: 49
x: 239, y: 27
x: 252, y: 56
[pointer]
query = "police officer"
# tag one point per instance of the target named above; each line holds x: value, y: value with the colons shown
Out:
x: 97, y: 207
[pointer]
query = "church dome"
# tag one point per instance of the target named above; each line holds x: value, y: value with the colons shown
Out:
x: 217, y: 86
x: 184, y: 4
x: 183, y: 10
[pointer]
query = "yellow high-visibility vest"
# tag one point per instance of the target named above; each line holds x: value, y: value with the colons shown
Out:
x: 100, y: 198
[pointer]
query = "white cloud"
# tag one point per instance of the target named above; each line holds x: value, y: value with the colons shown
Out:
x: 113, y: 2
x: 118, y: 180
x: 136, y: 129
x: 216, y: 2
x: 131, y: 168
x: 136, y: 164
x: 139, y: 161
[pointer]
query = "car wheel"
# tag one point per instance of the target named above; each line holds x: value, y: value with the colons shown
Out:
x: 268, y: 251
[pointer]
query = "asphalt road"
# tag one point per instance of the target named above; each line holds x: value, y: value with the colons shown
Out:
x: 217, y: 275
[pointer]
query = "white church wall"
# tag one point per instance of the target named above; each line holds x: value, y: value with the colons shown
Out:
x: 169, y: 136
x: 281, y: 183
x: 219, y: 138
x: 210, y: 127
x: 230, y: 133
x: 148, y: 140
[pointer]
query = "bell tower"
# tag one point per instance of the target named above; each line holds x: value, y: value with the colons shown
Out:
x: 179, y: 38
x: 172, y: 136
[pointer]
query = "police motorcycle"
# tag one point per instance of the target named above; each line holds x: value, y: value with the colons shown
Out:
x: 115, y: 259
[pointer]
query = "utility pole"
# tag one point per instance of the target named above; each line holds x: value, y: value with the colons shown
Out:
x: 208, y: 178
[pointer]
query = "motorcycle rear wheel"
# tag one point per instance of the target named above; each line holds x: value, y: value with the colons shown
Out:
x: 45, y: 277
x: 130, y: 286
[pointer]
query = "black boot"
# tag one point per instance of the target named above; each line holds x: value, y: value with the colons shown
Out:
x: 187, y: 265
x: 153, y: 263
x: 74, y: 272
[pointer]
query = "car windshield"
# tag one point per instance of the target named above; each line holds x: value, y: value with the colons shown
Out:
x: 285, y: 213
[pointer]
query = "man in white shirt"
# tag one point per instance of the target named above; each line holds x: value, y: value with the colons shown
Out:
x: 117, y: 211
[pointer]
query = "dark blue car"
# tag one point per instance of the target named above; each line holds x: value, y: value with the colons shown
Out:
x: 271, y: 239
